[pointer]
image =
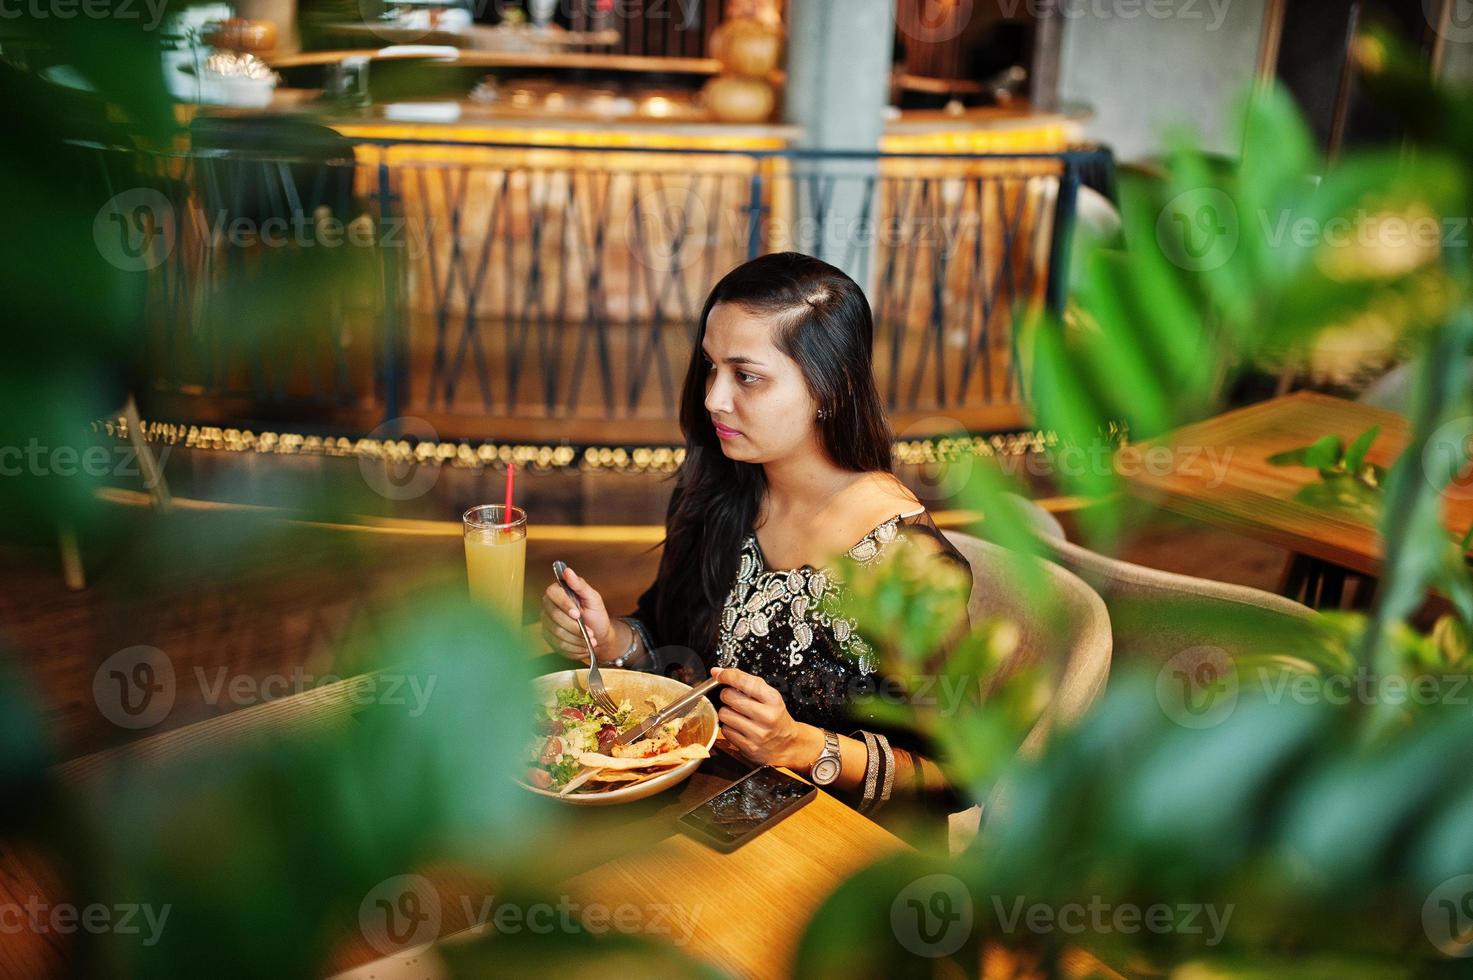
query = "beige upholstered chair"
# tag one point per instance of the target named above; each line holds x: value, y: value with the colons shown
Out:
x: 1155, y: 615
x: 1077, y: 641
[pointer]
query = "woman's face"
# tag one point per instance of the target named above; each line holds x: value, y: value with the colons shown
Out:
x: 755, y: 394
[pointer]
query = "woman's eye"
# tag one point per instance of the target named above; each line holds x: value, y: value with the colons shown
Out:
x: 747, y: 379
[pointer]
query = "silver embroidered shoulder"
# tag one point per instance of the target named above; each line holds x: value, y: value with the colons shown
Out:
x: 803, y: 595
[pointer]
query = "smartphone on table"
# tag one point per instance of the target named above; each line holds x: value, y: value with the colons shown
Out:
x: 746, y: 808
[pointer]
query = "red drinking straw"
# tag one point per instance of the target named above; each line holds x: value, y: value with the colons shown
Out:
x: 511, y: 472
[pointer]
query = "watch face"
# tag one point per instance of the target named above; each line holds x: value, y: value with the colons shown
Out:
x: 825, y: 771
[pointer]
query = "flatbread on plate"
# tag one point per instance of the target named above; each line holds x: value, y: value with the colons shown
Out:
x: 672, y: 758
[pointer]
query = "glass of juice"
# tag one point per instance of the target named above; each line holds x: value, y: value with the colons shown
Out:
x: 496, y: 557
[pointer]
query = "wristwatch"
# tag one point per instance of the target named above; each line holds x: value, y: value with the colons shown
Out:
x: 826, y: 769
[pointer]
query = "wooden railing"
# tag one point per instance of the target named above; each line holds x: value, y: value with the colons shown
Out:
x: 532, y: 293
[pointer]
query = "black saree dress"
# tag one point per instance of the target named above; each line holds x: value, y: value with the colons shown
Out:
x: 778, y: 624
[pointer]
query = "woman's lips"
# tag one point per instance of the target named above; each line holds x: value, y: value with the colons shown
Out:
x: 723, y: 432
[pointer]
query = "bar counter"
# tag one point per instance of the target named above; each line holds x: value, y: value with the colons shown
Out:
x: 540, y: 276
x: 1013, y: 129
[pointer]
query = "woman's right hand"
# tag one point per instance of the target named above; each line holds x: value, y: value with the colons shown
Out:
x: 560, y: 626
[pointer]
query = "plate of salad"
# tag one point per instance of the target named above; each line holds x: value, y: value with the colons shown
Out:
x: 572, y: 755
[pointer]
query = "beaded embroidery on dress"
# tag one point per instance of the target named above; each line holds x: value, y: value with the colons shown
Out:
x: 798, y: 600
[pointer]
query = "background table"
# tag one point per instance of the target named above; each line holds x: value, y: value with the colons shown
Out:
x: 1257, y: 499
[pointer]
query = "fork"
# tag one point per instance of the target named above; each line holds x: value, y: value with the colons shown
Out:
x: 596, y: 689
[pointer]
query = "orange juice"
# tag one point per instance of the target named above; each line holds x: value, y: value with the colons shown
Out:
x: 496, y: 558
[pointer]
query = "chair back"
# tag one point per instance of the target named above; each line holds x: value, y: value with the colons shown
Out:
x: 1076, y: 643
x: 1156, y: 615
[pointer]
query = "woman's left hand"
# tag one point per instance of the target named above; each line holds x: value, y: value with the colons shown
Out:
x: 755, y: 719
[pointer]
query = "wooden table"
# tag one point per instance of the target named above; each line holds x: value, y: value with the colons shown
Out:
x: 743, y: 913
x: 1219, y: 474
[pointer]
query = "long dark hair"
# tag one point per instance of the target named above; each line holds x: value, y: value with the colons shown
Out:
x: 825, y: 325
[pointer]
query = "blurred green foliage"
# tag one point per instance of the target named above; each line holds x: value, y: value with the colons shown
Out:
x: 1313, y: 797
x: 1347, y: 482
x: 1326, y: 829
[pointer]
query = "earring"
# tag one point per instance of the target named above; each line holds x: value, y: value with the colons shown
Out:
x: 823, y: 413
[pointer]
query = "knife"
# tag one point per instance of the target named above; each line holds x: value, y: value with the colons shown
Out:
x: 671, y: 711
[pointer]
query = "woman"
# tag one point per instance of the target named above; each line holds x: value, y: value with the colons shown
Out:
x: 787, y: 464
